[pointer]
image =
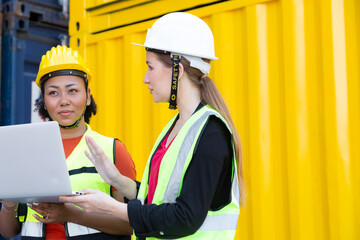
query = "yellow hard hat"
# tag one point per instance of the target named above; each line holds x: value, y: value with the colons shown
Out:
x: 61, y: 58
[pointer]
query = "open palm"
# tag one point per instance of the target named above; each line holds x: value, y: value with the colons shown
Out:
x: 103, y: 164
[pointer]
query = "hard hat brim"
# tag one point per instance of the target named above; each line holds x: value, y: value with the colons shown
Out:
x: 174, y: 52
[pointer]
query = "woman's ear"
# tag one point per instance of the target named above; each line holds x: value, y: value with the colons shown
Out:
x: 181, y: 70
x: 88, y: 99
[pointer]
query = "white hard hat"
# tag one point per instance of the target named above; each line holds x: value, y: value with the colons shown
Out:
x: 184, y: 34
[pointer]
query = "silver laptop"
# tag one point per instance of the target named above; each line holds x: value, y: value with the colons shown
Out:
x: 32, y: 163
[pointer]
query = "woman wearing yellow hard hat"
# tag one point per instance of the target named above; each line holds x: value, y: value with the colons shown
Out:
x: 65, y: 97
x: 192, y: 185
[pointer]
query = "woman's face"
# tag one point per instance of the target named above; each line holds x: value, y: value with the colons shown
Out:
x: 65, y: 99
x: 158, y: 78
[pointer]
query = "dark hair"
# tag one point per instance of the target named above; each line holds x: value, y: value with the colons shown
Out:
x: 210, y: 95
x: 40, y: 105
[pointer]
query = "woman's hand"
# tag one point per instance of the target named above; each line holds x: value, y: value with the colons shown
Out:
x: 104, y: 166
x: 53, y: 212
x: 93, y: 201
x: 108, y: 171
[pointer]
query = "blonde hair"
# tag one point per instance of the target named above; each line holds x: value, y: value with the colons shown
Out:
x: 210, y: 95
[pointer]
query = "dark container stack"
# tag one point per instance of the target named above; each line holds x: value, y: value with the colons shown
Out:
x: 30, y: 28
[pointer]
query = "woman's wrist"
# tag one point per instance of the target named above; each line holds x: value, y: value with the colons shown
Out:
x: 8, y: 209
x: 118, y: 183
x: 74, y: 213
x: 120, y: 210
x: 127, y: 187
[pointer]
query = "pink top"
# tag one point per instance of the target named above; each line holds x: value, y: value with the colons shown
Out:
x: 155, y: 166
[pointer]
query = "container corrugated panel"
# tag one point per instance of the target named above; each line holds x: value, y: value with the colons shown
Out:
x: 29, y: 30
x: 289, y: 72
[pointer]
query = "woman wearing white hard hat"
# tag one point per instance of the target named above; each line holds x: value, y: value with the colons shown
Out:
x: 65, y: 97
x: 192, y: 185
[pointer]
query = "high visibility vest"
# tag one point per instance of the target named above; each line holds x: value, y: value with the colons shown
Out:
x: 218, y: 225
x: 82, y: 175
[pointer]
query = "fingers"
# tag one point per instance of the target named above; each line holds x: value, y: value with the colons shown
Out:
x: 45, y: 219
x: 44, y: 207
x: 79, y: 201
x: 35, y: 206
x: 78, y: 198
x: 86, y: 202
x: 71, y: 199
x: 40, y: 210
x: 90, y: 191
x: 95, y: 150
x: 89, y: 156
x: 41, y: 219
x: 39, y: 207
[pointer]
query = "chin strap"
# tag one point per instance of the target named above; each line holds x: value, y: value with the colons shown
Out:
x: 75, y: 124
x: 174, y: 80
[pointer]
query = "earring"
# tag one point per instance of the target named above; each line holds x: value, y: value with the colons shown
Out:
x: 45, y: 107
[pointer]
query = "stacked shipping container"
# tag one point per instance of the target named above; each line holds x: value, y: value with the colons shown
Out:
x: 30, y: 28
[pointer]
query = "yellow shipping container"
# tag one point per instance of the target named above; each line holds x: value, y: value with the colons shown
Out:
x: 289, y: 72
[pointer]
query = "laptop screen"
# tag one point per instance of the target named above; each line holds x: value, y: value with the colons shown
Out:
x: 32, y: 163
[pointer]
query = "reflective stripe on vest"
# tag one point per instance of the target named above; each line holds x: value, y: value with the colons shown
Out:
x: 32, y: 229
x: 223, y: 221
x: 220, y: 222
x: 82, y: 176
x: 78, y: 230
